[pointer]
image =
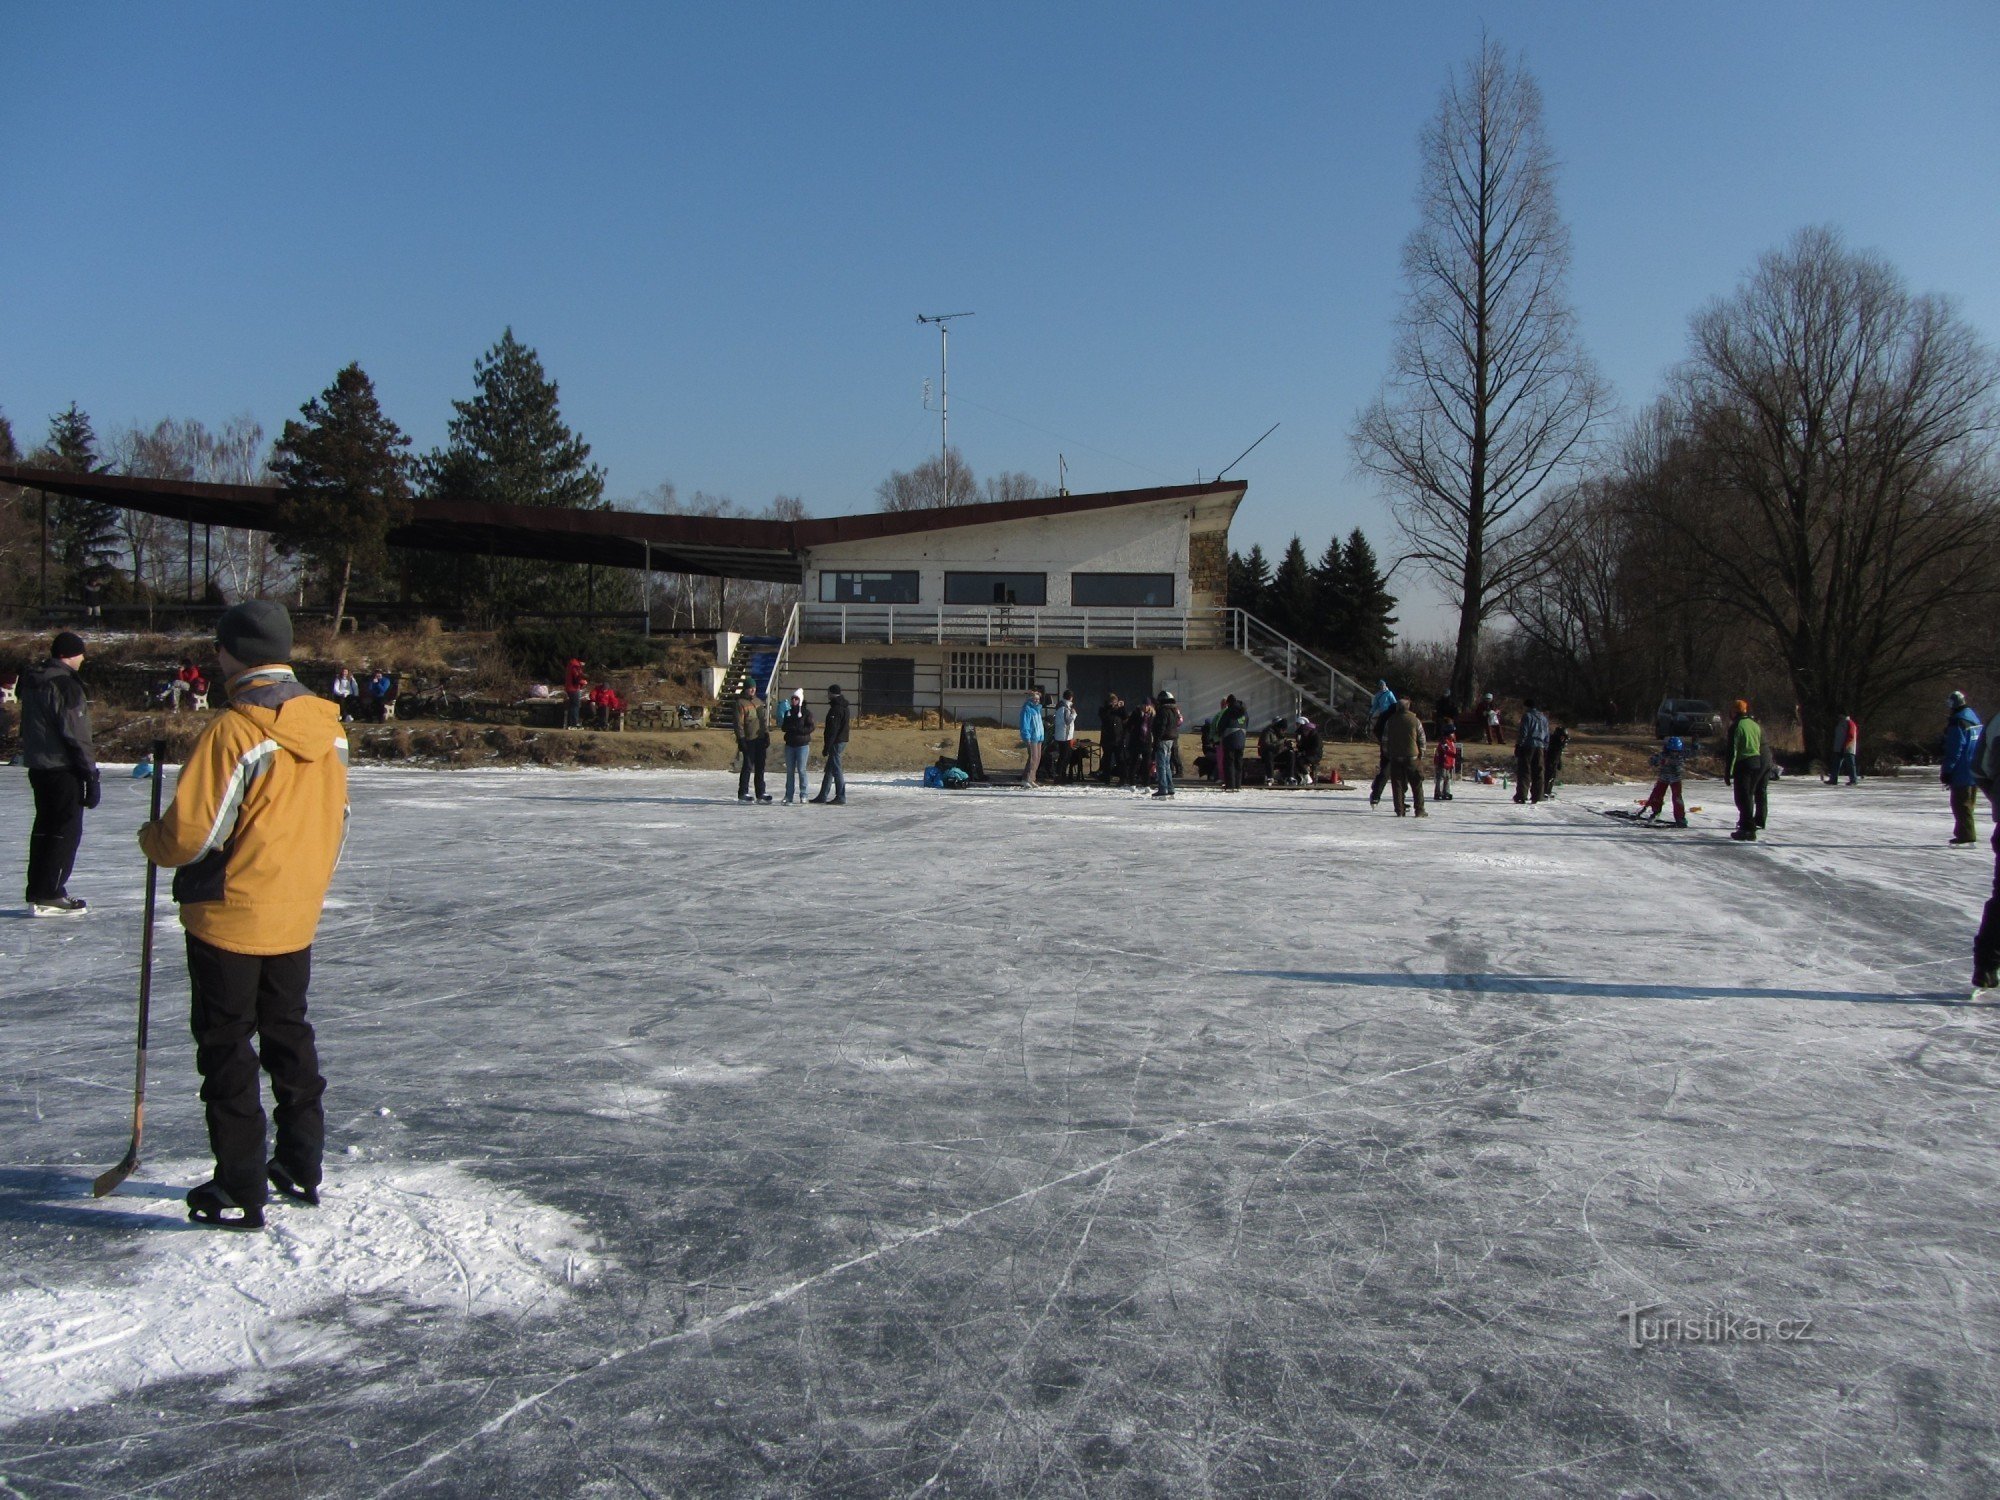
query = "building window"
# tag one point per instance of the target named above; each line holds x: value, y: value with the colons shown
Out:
x: 1121, y: 590
x: 996, y: 588
x: 990, y: 671
x: 868, y: 588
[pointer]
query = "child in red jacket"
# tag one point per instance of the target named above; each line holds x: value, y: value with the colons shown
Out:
x: 1447, y: 762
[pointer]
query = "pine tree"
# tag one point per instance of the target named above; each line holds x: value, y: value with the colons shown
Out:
x: 1372, y: 606
x: 509, y: 445
x: 345, y: 482
x: 83, y: 533
x: 1290, y: 603
x: 1250, y: 581
x: 1333, y: 609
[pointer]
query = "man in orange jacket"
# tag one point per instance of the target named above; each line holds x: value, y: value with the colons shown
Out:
x: 253, y: 835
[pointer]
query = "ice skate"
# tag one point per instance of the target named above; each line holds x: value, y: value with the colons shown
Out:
x: 210, y: 1205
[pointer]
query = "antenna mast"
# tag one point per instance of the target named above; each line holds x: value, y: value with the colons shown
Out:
x: 943, y: 321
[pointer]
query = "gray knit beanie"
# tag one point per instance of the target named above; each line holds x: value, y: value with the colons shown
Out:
x: 256, y: 632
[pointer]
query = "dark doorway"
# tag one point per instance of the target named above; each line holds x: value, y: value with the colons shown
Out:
x: 1091, y: 677
x: 888, y: 685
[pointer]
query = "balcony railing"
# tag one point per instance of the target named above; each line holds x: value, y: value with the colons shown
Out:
x: 999, y: 625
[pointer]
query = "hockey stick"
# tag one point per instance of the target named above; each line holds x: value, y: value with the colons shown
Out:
x: 123, y: 1170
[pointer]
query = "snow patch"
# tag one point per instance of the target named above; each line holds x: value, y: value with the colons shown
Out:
x: 201, y: 1302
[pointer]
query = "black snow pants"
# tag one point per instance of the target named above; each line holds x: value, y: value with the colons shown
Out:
x: 58, y: 830
x: 1753, y: 800
x: 1986, y: 946
x: 238, y: 997
x: 753, y: 765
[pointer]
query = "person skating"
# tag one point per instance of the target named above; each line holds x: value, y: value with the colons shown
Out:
x: 1447, y: 761
x: 254, y: 833
x: 795, y: 721
x: 1166, y: 735
x: 1846, y: 751
x: 1034, y: 733
x: 1380, y: 707
x: 833, y: 745
x: 1745, y: 770
x: 1961, y: 741
x: 1986, y: 943
x: 1670, y: 763
x: 1403, y: 744
x: 1233, y: 730
x: 1531, y: 748
x: 62, y: 773
x: 753, y: 743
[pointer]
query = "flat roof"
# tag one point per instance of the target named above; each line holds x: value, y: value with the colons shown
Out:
x: 715, y: 546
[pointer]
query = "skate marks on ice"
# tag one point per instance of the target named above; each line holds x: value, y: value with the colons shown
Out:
x: 198, y: 1302
x: 1567, y: 986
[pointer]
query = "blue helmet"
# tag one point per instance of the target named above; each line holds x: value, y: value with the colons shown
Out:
x: 1674, y: 742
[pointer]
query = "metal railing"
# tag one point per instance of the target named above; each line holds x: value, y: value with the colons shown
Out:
x: 1281, y: 656
x: 998, y: 625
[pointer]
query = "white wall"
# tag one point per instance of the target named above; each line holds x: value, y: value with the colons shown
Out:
x: 1150, y: 538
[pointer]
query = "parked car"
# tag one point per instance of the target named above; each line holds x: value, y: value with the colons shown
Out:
x: 1690, y: 718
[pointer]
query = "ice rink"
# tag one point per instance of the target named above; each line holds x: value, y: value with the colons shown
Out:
x: 1054, y: 1143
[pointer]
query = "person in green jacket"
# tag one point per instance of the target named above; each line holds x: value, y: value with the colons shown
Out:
x: 1747, y: 771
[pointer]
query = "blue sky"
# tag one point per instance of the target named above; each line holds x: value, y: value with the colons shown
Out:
x: 1176, y: 224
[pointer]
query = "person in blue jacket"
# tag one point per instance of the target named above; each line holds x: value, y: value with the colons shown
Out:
x: 1034, y: 731
x: 1380, y: 707
x: 1961, y: 741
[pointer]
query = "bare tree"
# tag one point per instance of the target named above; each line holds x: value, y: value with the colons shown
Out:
x: 1015, y: 485
x: 1489, y: 394
x: 933, y: 484
x: 1833, y: 466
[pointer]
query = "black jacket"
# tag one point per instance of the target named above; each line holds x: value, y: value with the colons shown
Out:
x: 55, y: 720
x: 798, y: 724
x: 1166, y: 724
x: 836, y: 720
x: 1233, y: 722
x: 1110, y: 721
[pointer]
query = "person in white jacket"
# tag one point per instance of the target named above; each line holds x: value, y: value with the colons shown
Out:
x: 1063, y: 744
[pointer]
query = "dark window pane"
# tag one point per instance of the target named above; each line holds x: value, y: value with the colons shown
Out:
x: 868, y: 588
x: 996, y: 588
x: 1122, y: 590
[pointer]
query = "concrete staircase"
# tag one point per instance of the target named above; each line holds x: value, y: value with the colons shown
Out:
x: 1311, y: 679
x: 753, y: 660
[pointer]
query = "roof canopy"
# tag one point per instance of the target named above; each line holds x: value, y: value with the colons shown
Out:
x: 717, y: 546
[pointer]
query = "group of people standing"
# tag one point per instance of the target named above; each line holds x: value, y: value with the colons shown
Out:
x: 795, y: 725
x: 1137, y: 744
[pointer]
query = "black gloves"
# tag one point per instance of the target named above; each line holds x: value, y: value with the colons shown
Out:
x: 93, y: 790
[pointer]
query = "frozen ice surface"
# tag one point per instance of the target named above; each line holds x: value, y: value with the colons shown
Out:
x: 1004, y: 1143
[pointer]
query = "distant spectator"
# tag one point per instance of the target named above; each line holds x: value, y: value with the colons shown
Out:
x: 1062, y: 737
x: 1310, y: 746
x: 1139, y: 743
x: 1747, y: 770
x: 187, y: 684
x: 796, y: 722
x: 833, y: 745
x: 1447, y: 761
x: 346, y: 693
x: 753, y: 743
x: 574, y: 684
x: 1961, y: 741
x: 1531, y: 749
x: 1111, y: 737
x: 382, y: 692
x: 1558, y: 742
x: 1032, y: 733
x: 1166, y: 735
x: 1490, y: 713
x: 1846, y: 751
x: 607, y: 707
x: 1403, y: 744
x: 1232, y: 731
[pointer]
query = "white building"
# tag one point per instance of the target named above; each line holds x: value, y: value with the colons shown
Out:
x: 964, y: 609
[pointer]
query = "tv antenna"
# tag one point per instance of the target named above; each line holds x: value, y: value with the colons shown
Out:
x: 943, y: 321
x: 1247, y: 451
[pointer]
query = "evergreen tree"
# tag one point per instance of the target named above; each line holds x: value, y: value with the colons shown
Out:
x: 20, y: 528
x: 83, y: 534
x: 509, y: 445
x: 1290, y: 603
x: 1371, y: 605
x: 345, y: 482
x: 1250, y: 581
x: 1333, y: 611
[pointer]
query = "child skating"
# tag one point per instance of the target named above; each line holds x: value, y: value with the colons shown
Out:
x: 1669, y: 762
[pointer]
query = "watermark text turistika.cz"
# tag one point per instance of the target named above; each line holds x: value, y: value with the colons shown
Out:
x: 1648, y: 1325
